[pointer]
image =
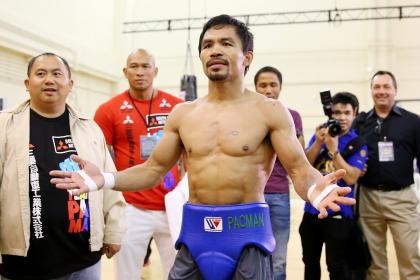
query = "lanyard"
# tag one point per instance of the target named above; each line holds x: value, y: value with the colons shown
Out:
x: 138, y: 111
x: 381, y: 129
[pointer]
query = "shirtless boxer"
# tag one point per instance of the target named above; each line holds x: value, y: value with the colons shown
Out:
x: 229, y: 139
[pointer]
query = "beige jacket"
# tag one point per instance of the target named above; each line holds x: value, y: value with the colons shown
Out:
x: 106, y: 207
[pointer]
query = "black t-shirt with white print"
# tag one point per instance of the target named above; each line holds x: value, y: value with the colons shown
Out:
x: 60, y: 224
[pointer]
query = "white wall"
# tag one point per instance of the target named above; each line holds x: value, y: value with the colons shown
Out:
x: 310, y: 56
x: 83, y: 32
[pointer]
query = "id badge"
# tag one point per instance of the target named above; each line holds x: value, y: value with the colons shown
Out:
x: 148, y: 143
x: 386, y: 151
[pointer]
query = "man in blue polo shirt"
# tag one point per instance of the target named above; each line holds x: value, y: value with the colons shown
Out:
x: 327, y: 153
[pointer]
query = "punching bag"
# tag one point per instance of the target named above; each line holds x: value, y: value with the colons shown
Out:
x: 189, y: 87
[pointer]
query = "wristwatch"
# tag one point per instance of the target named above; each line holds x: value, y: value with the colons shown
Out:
x: 332, y: 155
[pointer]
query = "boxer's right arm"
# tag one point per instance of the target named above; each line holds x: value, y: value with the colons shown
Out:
x: 164, y: 156
x: 139, y: 177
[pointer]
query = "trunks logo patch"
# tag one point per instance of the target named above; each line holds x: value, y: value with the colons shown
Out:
x: 157, y: 120
x: 246, y: 221
x: 213, y: 224
x: 63, y: 144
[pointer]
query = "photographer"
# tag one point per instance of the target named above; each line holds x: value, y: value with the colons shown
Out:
x: 334, y: 146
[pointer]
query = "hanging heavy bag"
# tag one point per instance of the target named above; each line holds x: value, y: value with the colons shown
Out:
x: 189, y: 87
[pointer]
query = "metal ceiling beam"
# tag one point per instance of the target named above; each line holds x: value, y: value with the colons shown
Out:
x: 318, y: 16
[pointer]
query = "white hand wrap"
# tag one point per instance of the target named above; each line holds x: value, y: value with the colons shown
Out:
x: 88, y: 181
x: 325, y: 192
x: 310, y: 191
x: 109, y: 180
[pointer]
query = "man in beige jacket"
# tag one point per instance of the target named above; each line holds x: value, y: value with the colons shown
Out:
x: 46, y: 233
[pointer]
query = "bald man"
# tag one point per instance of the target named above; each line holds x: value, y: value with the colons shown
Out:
x: 131, y: 122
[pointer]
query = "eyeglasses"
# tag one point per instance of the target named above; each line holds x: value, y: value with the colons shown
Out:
x: 378, y: 127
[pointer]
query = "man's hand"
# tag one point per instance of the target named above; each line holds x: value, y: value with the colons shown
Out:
x: 110, y: 250
x: 74, y: 181
x: 335, y: 197
x: 365, y: 167
x: 331, y: 143
x: 320, y: 134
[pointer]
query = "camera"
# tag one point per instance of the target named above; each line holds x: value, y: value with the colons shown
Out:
x: 332, y: 124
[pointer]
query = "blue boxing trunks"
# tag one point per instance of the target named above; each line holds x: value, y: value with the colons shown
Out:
x: 216, y: 235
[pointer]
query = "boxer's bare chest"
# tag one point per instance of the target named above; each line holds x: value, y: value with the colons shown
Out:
x: 233, y: 130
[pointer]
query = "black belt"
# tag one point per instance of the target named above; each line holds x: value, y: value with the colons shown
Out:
x: 385, y: 188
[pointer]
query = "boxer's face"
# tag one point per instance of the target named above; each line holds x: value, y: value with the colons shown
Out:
x: 221, y: 54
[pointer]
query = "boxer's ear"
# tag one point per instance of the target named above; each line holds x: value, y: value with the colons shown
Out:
x: 249, y: 56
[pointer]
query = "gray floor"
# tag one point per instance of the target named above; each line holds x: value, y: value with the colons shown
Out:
x: 294, y: 263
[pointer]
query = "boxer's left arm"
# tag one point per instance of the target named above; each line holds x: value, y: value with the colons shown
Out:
x: 292, y: 157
